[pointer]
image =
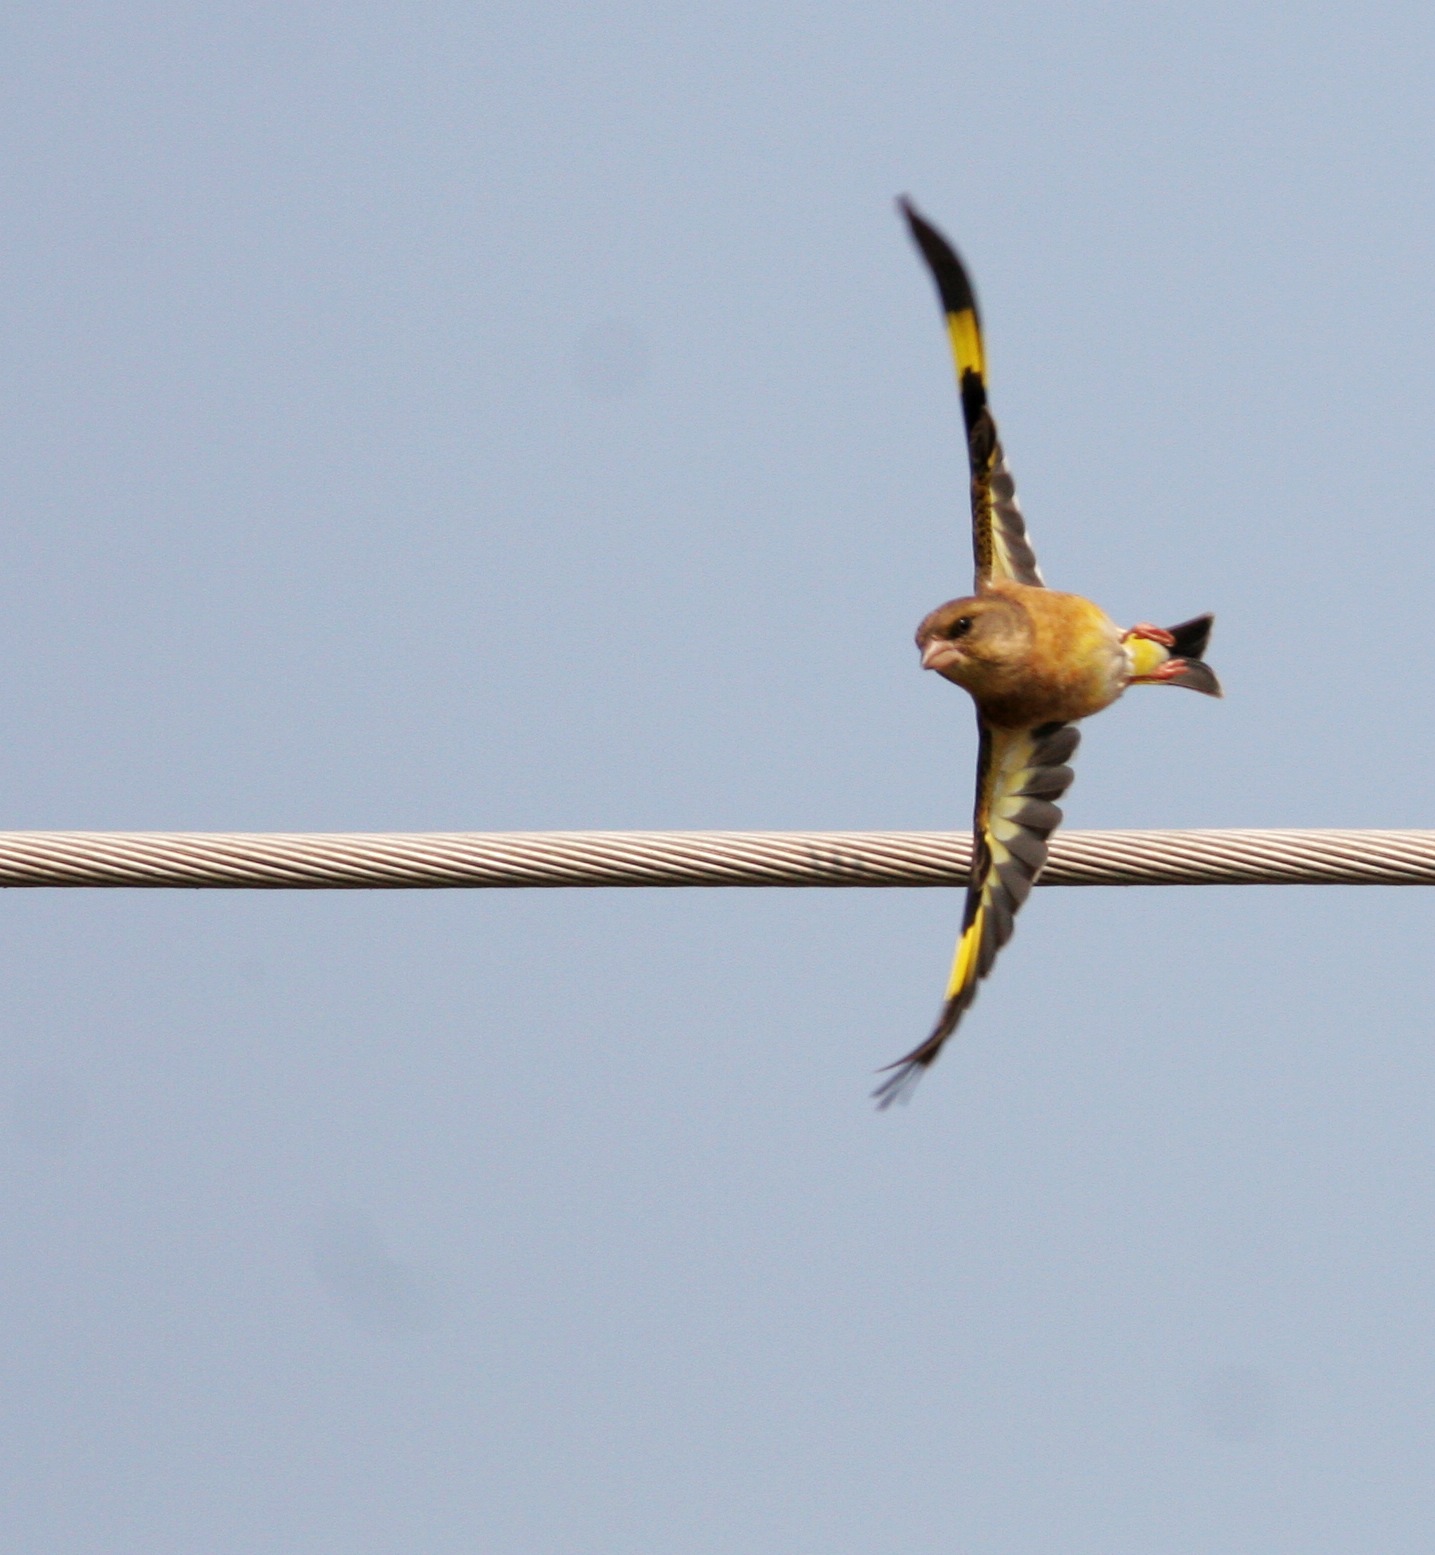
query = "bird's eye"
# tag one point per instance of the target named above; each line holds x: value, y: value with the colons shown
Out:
x: 960, y: 627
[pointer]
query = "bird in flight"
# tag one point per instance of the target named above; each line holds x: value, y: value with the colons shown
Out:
x: 1033, y: 660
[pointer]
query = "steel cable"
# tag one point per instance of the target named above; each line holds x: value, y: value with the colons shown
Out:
x: 425, y: 860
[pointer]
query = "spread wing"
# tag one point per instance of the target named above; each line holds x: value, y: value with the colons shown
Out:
x: 999, y: 537
x: 1020, y: 775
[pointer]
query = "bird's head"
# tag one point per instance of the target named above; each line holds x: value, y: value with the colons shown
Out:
x: 977, y: 642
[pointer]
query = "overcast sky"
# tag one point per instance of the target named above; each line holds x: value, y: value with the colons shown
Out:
x: 496, y: 415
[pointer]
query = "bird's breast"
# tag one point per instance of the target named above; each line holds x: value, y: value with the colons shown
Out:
x: 1076, y: 664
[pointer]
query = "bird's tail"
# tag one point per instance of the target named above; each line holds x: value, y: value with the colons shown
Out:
x: 1189, y: 650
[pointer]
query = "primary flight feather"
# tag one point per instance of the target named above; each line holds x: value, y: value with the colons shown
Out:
x: 1034, y: 661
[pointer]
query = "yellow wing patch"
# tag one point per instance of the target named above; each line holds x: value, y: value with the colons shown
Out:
x: 999, y: 538
x: 1020, y: 775
x: 965, y: 334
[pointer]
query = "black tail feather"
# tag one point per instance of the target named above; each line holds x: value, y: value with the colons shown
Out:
x: 1195, y: 675
x: 1191, y: 637
x: 1189, y: 649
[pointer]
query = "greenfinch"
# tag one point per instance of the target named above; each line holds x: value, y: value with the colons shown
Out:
x: 1034, y: 661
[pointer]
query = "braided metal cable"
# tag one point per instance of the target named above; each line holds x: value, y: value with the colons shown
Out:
x: 384, y: 860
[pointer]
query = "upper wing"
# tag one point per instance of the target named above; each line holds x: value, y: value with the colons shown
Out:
x: 1020, y: 775
x: 999, y: 536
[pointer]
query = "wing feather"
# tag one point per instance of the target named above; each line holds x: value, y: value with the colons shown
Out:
x: 1000, y: 543
x: 1019, y: 773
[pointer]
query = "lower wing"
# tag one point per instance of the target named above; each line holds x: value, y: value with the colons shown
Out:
x: 1020, y: 775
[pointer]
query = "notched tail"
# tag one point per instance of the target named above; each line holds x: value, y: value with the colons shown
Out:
x: 1189, y: 651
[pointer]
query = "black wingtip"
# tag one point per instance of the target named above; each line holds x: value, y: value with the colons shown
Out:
x: 953, y: 284
x: 901, y: 1084
x: 910, y: 1068
x: 903, y: 1075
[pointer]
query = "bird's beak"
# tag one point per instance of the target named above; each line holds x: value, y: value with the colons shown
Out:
x: 937, y: 654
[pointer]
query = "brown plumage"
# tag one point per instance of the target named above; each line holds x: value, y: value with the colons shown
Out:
x: 1035, y: 661
x: 1028, y: 655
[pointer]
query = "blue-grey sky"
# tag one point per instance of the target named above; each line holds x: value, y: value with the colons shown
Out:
x: 483, y: 416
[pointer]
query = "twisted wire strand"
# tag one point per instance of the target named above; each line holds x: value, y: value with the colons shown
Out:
x: 425, y: 860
